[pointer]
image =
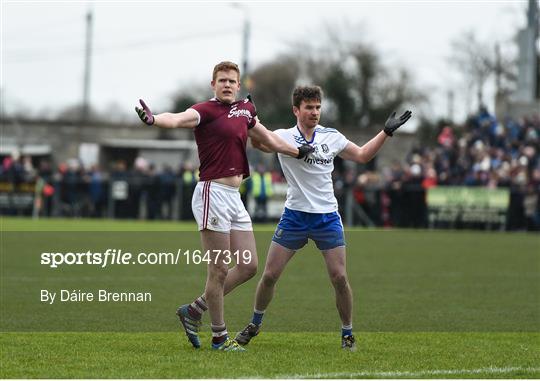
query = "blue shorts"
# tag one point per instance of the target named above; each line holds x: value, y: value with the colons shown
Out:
x: 295, y: 228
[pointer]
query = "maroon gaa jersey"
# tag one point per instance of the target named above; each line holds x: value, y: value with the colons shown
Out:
x: 221, y: 137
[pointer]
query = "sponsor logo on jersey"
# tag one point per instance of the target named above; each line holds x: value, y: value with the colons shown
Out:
x: 318, y: 160
x: 234, y: 112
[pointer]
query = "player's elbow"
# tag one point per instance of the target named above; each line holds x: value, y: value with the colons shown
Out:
x: 183, y: 120
x: 267, y: 148
x: 362, y: 157
x: 270, y: 144
x: 258, y: 145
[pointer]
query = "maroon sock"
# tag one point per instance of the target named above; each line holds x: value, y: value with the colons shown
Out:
x: 197, y: 308
x: 219, y: 334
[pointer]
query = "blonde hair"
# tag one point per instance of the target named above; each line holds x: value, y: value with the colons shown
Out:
x: 225, y: 66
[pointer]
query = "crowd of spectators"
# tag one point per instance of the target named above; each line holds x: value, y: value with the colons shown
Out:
x: 484, y: 152
x: 71, y: 190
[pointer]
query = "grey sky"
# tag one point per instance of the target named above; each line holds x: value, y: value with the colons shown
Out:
x: 155, y: 49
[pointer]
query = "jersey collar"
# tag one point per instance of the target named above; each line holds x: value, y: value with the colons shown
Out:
x: 215, y: 99
x: 303, y: 137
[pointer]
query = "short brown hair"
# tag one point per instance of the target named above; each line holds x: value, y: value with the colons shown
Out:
x: 225, y: 66
x: 305, y: 93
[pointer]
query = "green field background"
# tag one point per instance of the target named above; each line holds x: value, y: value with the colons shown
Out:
x: 437, y: 294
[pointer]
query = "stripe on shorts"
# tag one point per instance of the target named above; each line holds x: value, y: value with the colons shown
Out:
x: 206, y: 202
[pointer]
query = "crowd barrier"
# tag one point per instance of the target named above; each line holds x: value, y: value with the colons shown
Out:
x: 411, y: 206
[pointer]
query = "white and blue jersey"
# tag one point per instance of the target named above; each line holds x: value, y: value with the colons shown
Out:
x: 311, y: 207
x: 310, y: 180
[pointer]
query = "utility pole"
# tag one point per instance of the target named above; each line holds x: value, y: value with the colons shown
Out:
x: 501, y: 103
x: 498, y: 69
x: 245, y: 53
x: 246, y: 36
x: 527, y: 82
x: 450, y: 105
x: 87, y: 66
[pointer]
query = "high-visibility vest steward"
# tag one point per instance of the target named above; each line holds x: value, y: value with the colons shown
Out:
x: 262, y: 184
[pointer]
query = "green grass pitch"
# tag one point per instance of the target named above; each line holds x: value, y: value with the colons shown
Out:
x: 428, y: 304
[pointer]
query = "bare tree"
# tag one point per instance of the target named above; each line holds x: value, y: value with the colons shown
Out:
x: 475, y: 60
x: 272, y: 87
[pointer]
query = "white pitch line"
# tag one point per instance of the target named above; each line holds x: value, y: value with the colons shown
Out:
x: 412, y: 374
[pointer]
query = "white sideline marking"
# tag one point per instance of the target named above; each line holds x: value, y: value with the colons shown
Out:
x: 412, y: 374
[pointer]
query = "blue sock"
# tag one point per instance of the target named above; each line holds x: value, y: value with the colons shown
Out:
x: 346, y: 330
x: 257, y: 317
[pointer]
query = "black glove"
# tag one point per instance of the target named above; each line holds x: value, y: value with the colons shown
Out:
x: 394, y: 123
x: 304, y: 150
x: 144, y: 113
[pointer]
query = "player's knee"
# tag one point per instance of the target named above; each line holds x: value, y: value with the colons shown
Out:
x: 340, y: 281
x: 218, y: 273
x: 249, y: 270
x: 269, y: 278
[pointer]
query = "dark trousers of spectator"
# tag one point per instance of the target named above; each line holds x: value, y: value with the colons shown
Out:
x: 415, y: 209
x: 261, y: 210
x: 187, y: 195
x: 166, y: 208
x: 516, y: 213
x: 153, y: 207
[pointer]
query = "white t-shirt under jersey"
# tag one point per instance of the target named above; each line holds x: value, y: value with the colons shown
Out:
x: 310, y: 187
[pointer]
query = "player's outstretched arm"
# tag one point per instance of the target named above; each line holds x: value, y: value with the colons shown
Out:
x: 274, y: 143
x: 261, y: 147
x: 368, y: 151
x: 186, y: 119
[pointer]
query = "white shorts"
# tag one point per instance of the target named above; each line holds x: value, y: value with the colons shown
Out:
x: 219, y: 207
